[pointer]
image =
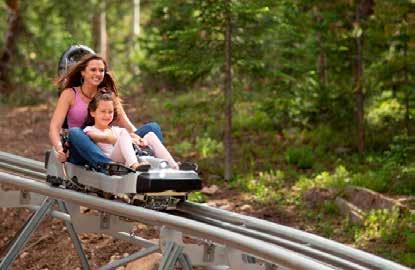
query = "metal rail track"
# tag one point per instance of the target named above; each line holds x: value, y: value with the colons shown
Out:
x: 314, y: 246
x: 268, y: 252
x: 278, y: 244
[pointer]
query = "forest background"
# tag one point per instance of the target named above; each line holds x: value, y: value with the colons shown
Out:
x: 271, y: 98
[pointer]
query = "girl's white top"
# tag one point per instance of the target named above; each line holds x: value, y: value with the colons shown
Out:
x: 105, y: 147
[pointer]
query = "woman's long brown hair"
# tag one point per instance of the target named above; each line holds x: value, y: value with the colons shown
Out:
x: 73, y: 77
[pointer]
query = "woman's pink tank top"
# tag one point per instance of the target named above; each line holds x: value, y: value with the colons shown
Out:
x: 78, y: 112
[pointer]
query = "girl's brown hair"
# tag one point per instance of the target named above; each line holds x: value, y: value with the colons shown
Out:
x: 93, y: 105
x: 73, y: 77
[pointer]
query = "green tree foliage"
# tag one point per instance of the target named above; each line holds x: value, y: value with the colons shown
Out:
x: 294, y: 87
x: 390, y: 69
x: 185, y: 41
x: 50, y: 27
x: 47, y: 32
x: 294, y: 58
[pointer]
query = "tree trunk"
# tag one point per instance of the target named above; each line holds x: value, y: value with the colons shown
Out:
x: 394, y: 88
x: 363, y: 10
x: 358, y: 88
x: 13, y: 30
x: 322, y: 62
x: 322, y: 58
x: 136, y: 18
x: 406, y: 83
x: 407, y: 92
x: 99, y: 30
x: 228, y: 93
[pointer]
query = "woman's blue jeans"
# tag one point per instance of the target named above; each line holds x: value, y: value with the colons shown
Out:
x: 84, y: 151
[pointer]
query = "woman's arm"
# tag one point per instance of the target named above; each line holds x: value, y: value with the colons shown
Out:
x: 123, y: 120
x: 62, y: 107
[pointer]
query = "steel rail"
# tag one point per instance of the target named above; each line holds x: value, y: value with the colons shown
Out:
x: 22, y: 162
x: 291, y: 234
x: 281, y: 242
x: 53, y: 213
x: 287, y: 244
x: 25, y: 171
x: 296, y: 247
x: 311, y: 245
x: 266, y: 251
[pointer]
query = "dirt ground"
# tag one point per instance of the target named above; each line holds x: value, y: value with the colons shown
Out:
x: 24, y: 131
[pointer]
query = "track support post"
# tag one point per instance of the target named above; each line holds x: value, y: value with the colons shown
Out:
x: 172, y: 254
x: 74, y: 236
x: 25, y: 234
x: 31, y: 225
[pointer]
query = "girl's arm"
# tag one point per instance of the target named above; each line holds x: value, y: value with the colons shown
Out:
x: 102, y: 137
x: 62, y: 107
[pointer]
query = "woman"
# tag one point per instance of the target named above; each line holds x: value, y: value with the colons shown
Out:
x: 80, y: 85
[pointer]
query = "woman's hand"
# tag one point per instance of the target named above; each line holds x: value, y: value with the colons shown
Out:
x: 143, y: 142
x: 60, y: 154
x: 137, y: 140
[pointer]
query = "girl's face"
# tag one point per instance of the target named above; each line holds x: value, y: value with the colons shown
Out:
x: 104, y: 114
x: 94, y: 72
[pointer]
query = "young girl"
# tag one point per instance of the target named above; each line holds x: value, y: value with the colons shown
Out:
x: 116, y: 142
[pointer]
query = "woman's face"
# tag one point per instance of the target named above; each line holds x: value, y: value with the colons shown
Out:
x: 94, y: 72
